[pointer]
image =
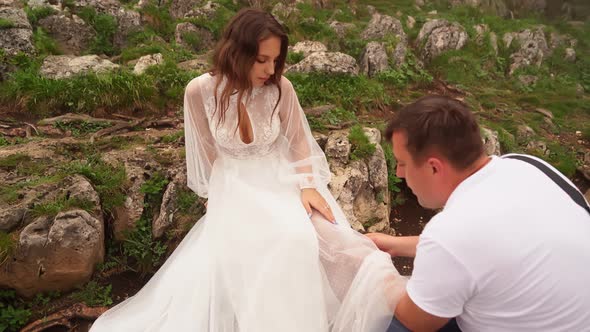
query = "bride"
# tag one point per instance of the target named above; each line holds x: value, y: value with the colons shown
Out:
x: 274, y: 252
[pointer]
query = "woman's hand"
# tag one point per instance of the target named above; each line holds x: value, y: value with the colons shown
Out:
x: 311, y: 198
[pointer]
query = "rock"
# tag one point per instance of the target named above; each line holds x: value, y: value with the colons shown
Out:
x: 63, y: 66
x: 327, y: 62
x: 533, y: 48
x: 480, y: 30
x: 494, y: 42
x: 110, y: 7
x: 557, y: 40
x: 341, y: 28
x: 19, y: 37
x: 321, y: 139
x: 374, y: 59
x: 16, y: 16
x: 528, y: 80
x: 199, y: 65
x: 545, y: 112
x: 381, y: 26
x: 587, y: 195
x: 524, y: 133
x: 83, y: 190
x: 166, y: 217
x: 147, y: 61
x: 495, y: 7
x: 410, y: 22
x: 55, y: 254
x: 570, y: 55
x: 126, y: 216
x: 308, y: 47
x: 491, y: 142
x: 179, y: 8
x: 207, y: 11
x: 72, y: 33
x: 282, y: 12
x: 338, y: 148
x: 538, y: 146
x: 360, y: 186
x: 439, y: 36
x: 128, y: 22
x: 11, y: 217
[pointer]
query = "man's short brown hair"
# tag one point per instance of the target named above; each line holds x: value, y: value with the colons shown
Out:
x: 439, y: 124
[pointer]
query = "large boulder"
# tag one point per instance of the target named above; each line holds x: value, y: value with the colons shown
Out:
x: 327, y: 62
x: 18, y: 38
x: 374, y: 59
x: 532, y: 48
x: 438, y: 36
x: 381, y: 26
x: 147, y: 61
x: 64, y: 66
x: 308, y: 47
x: 72, y: 33
x: 359, y: 186
x: 55, y: 254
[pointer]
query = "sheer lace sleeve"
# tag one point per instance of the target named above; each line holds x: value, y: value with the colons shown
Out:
x: 305, y: 158
x: 201, y: 150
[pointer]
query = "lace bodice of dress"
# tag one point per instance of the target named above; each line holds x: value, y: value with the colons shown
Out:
x: 259, y: 105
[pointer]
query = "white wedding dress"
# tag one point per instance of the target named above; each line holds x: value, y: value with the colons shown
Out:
x: 256, y: 262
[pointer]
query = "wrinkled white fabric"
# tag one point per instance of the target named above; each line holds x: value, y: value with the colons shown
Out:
x: 256, y: 262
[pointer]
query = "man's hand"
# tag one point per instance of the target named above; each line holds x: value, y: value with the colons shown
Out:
x: 311, y: 198
x: 404, y: 246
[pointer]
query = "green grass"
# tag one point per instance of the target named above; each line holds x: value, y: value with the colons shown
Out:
x: 294, y: 57
x: 407, y: 73
x: 348, y: 92
x: 94, y: 295
x: 63, y: 203
x: 105, y: 26
x: 36, y: 14
x: 81, y: 128
x: 6, y: 24
x: 109, y: 181
x: 24, y: 164
x: 7, y: 246
x: 159, y: 20
x: 333, y: 117
x: 361, y: 148
x: 44, y: 44
x: 218, y: 21
x: 172, y: 138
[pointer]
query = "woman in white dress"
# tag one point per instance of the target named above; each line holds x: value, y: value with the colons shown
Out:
x: 274, y: 252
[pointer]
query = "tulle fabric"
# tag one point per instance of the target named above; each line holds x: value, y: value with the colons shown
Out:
x: 259, y: 264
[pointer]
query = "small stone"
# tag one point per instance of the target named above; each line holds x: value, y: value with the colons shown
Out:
x: 578, y: 133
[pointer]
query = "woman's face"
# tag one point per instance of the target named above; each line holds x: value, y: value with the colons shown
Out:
x: 264, y: 66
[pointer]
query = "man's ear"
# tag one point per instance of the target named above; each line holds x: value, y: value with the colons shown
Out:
x: 435, y: 165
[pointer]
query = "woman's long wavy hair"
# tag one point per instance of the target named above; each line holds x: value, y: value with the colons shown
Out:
x: 236, y: 52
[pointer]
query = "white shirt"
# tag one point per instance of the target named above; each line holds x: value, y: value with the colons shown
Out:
x: 509, y: 252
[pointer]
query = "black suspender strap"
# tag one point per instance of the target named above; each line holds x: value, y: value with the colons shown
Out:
x: 568, y: 188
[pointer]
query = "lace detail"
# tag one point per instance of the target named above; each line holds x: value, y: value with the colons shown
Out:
x: 259, y: 105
